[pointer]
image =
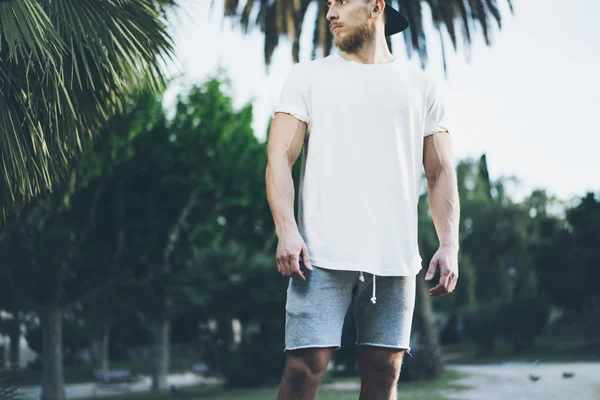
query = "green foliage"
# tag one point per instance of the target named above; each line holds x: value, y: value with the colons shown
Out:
x: 9, y: 386
x: 481, y: 325
x: 523, y: 319
x: 64, y: 72
x: 520, y: 320
x: 567, y: 256
x: 254, y: 364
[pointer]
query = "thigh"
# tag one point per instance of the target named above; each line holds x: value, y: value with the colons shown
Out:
x: 315, y: 308
x: 388, y: 322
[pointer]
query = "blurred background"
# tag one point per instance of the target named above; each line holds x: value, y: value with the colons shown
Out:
x: 138, y: 249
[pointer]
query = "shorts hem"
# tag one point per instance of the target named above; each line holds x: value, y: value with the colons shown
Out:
x: 312, y: 346
x: 387, y: 346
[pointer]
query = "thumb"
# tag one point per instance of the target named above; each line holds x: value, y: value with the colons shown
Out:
x: 431, y: 271
x: 305, y: 258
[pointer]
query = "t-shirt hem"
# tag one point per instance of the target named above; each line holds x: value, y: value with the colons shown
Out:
x: 404, y: 268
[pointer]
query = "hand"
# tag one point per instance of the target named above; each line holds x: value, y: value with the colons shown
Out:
x: 446, y: 259
x: 290, y: 247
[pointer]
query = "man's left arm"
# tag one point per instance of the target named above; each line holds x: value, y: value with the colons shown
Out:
x: 445, y: 210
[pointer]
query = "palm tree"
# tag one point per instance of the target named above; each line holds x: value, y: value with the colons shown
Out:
x: 65, y: 68
x: 284, y: 18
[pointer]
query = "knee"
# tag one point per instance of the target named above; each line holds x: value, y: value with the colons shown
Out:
x: 383, y: 372
x: 300, y: 372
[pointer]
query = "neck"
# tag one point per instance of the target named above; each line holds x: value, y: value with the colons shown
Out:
x: 374, y: 51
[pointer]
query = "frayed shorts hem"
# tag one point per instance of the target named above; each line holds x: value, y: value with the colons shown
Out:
x: 405, y: 348
x: 312, y: 346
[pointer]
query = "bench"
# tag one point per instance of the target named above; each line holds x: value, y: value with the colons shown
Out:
x: 121, y: 379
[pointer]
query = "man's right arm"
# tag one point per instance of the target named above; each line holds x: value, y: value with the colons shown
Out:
x: 286, y: 138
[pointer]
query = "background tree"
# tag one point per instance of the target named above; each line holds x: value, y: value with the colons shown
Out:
x: 53, y: 239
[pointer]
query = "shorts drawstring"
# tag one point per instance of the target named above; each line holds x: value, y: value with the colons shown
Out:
x: 362, y: 279
x: 373, y: 299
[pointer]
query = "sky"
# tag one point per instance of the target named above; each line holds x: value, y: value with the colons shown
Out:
x: 530, y: 101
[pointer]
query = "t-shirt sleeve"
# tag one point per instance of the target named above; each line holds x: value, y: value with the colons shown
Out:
x: 435, y: 117
x: 292, y: 99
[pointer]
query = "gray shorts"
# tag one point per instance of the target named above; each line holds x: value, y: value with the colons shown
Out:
x: 316, y: 309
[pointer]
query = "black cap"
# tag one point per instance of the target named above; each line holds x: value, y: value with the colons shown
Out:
x: 394, y: 21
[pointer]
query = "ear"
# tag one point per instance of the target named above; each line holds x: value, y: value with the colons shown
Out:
x: 378, y: 7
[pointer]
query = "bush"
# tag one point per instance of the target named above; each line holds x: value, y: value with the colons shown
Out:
x: 523, y: 319
x: 254, y: 364
x: 450, y: 333
x: 481, y: 325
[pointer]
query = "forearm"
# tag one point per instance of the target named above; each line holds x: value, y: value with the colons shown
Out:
x: 444, y: 206
x: 280, y: 192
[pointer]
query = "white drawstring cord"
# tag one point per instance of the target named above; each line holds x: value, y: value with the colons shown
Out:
x: 373, y: 299
x: 362, y: 279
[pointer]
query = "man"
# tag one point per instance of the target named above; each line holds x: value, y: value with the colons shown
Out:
x: 369, y: 124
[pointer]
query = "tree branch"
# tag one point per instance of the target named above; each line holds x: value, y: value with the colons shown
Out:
x: 175, y: 231
x: 82, y: 237
x: 91, y: 294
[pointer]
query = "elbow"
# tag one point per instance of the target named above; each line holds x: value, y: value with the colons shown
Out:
x: 444, y: 173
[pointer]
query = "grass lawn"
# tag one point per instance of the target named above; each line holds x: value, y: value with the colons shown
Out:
x: 413, y: 391
x: 546, y: 350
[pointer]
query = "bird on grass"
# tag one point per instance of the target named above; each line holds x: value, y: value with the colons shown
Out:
x: 175, y: 389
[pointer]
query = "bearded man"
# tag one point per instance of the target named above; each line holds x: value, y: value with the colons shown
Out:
x: 369, y: 125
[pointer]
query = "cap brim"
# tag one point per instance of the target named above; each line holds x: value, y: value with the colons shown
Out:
x: 394, y: 21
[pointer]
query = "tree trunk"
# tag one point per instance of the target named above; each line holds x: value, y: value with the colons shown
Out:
x: 160, y: 356
x: 14, y: 333
x: 53, y: 381
x: 104, y: 349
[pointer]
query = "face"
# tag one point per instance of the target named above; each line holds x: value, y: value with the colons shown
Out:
x: 351, y: 23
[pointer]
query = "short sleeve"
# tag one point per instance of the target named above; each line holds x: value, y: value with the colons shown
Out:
x: 292, y: 99
x: 435, y: 117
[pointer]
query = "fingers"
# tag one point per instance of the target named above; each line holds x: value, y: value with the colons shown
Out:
x: 437, y: 290
x: 306, y: 258
x: 293, y: 264
x: 431, y: 271
x: 446, y: 285
x: 454, y: 281
x: 289, y: 265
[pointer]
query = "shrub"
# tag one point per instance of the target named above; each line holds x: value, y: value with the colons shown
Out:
x: 523, y: 319
x: 481, y: 325
x: 254, y: 364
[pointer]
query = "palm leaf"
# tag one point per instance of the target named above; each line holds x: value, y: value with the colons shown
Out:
x: 277, y: 18
x: 64, y: 71
x: 9, y: 388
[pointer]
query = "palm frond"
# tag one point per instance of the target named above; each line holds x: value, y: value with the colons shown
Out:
x: 277, y: 18
x: 64, y: 71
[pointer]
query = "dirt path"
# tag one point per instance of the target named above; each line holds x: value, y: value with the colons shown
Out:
x: 511, y: 381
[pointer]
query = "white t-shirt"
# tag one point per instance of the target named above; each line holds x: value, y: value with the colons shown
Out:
x: 362, y: 161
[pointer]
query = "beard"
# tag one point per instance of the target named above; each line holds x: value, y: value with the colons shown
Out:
x: 353, y: 40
